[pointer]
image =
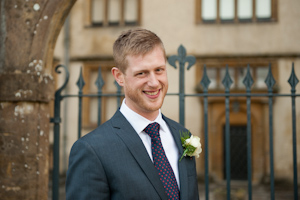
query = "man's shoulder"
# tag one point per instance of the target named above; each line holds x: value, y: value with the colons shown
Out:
x: 104, y: 130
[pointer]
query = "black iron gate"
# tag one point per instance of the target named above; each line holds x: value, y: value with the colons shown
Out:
x: 183, y: 59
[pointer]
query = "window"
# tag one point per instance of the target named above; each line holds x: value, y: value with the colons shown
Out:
x: 114, y: 12
x: 235, y: 11
x: 237, y: 69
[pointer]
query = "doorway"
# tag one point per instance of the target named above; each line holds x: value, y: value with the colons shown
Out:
x: 238, y: 152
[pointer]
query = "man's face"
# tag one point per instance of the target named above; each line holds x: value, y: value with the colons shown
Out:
x: 145, y: 83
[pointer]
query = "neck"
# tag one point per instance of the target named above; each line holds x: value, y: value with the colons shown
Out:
x: 150, y: 116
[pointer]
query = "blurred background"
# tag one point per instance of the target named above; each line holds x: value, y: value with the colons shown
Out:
x: 37, y: 35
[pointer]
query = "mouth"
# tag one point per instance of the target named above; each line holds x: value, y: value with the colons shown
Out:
x: 152, y: 94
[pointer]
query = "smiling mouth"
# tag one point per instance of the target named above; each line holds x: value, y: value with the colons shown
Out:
x: 152, y: 93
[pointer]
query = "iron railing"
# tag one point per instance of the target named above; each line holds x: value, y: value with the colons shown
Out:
x: 182, y: 59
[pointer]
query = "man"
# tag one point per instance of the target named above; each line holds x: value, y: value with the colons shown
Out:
x: 119, y: 159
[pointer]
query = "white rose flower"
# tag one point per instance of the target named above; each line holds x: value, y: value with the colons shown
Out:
x: 195, y: 142
x: 191, y: 145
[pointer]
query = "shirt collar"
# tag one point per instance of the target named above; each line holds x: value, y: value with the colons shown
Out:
x: 138, y: 122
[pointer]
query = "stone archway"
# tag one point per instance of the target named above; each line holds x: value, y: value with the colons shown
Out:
x: 28, y: 32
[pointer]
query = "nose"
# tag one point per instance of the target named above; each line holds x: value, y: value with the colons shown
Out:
x: 153, y: 80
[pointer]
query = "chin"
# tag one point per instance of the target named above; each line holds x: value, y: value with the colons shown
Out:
x: 154, y: 107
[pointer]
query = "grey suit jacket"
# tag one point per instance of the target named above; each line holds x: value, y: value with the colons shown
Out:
x: 111, y: 162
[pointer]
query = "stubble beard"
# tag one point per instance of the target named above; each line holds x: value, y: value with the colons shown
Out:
x: 141, y: 103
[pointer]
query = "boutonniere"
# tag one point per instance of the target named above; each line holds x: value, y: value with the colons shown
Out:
x: 191, y: 145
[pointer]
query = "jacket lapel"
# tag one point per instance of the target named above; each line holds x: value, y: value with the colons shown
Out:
x: 175, y: 130
x: 135, y: 145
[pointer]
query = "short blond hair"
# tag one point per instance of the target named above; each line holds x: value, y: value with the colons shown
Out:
x: 134, y: 42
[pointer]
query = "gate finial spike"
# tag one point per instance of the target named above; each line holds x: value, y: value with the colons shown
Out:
x: 248, y: 80
x: 182, y: 58
x: 80, y: 83
x: 293, y: 80
x: 270, y: 81
x: 205, y: 79
x: 99, y: 82
x: 227, y: 81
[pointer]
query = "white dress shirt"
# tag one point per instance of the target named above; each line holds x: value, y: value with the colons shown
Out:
x: 139, y: 123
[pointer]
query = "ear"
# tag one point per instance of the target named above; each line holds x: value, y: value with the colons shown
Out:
x: 118, y: 75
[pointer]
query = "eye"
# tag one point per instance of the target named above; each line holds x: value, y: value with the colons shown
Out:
x: 160, y: 69
x: 140, y: 74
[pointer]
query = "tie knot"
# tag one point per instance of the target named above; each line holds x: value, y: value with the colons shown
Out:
x: 152, y: 130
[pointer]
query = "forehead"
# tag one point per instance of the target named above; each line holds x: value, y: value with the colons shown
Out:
x: 154, y: 58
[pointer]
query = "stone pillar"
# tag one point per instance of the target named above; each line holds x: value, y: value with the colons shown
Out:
x: 28, y: 32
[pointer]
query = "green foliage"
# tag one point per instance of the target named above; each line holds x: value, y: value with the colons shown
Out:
x: 184, y: 135
x: 188, y: 149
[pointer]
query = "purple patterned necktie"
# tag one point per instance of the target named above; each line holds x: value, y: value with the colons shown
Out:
x: 161, y: 162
